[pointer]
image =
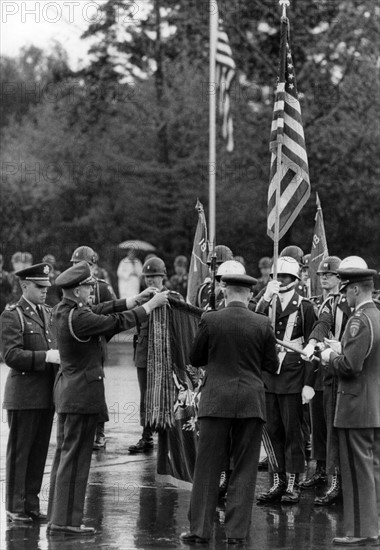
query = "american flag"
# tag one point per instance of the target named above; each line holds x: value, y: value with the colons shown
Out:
x: 225, y: 73
x: 287, y: 129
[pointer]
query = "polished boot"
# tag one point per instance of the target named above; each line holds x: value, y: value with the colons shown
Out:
x: 142, y: 446
x: 318, y: 478
x: 291, y: 495
x: 334, y: 493
x: 276, y: 491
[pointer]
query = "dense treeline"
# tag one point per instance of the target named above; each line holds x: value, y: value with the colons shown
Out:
x: 120, y: 149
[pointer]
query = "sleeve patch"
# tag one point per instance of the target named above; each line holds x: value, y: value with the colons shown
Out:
x: 354, y: 327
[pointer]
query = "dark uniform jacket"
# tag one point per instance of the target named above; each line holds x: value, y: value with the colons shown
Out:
x: 358, y: 368
x: 295, y: 373
x: 24, y: 343
x: 79, y: 386
x: 234, y: 345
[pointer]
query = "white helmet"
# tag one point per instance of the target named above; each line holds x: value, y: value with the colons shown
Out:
x: 230, y: 267
x: 353, y: 262
x: 288, y: 266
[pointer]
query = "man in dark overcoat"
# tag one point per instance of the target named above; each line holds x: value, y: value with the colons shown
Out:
x: 357, y: 413
x: 28, y: 347
x: 79, y: 387
x: 234, y: 345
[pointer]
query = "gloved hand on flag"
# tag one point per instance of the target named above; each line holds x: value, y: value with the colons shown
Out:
x: 307, y: 394
x: 273, y: 288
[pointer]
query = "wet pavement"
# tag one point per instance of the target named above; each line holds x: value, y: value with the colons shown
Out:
x: 132, y: 509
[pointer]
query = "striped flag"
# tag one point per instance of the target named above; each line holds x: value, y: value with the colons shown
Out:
x: 287, y: 129
x: 225, y: 73
x: 198, y: 270
x: 319, y: 250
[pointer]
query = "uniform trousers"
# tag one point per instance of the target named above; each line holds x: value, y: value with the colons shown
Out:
x: 142, y: 377
x: 318, y: 427
x: 332, y: 440
x: 214, y: 434
x: 71, y: 466
x: 27, y: 448
x: 360, y: 467
x: 284, y: 427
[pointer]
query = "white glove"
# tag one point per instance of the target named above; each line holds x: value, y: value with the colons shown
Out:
x: 52, y: 356
x: 335, y: 345
x: 273, y: 287
x: 308, y: 350
x: 307, y: 394
x: 325, y: 356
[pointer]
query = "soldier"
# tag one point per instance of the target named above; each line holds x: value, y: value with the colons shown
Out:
x: 178, y: 281
x: 79, y: 388
x: 102, y: 292
x: 290, y: 387
x: 265, y: 265
x: 357, y: 414
x: 53, y: 294
x: 28, y: 346
x: 154, y: 272
x: 305, y: 275
x: 332, y: 318
x: 222, y: 254
x: 235, y: 346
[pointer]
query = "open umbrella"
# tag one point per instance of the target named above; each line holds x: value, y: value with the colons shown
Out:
x: 137, y: 245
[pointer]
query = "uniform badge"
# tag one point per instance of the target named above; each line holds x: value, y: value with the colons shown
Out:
x: 46, y: 270
x: 354, y: 327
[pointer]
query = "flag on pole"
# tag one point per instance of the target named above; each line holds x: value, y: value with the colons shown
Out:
x: 287, y: 129
x: 198, y: 264
x: 225, y: 74
x: 319, y: 250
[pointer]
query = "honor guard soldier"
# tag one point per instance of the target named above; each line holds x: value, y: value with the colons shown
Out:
x: 154, y: 273
x: 290, y: 387
x: 235, y: 346
x: 357, y: 413
x: 28, y: 346
x: 79, y: 388
x: 333, y: 314
x: 102, y: 292
x: 222, y: 254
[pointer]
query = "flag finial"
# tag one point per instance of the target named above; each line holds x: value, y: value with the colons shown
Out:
x: 285, y: 4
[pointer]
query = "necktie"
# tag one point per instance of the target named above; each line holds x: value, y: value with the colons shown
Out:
x: 40, y: 313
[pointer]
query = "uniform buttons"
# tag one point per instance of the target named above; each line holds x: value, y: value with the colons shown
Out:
x: 278, y: 332
x: 100, y: 377
x: 31, y: 332
x: 23, y: 373
x: 49, y: 340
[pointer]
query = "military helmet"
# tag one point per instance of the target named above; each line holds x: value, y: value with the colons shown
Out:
x: 329, y: 265
x: 265, y: 262
x: 230, y: 267
x: 154, y: 266
x: 306, y: 260
x: 294, y: 252
x: 286, y: 265
x: 84, y: 253
x: 222, y: 253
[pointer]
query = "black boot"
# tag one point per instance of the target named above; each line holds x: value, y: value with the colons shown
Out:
x: 318, y: 478
x: 100, y: 437
x: 334, y: 493
x: 292, y: 494
x: 276, y: 491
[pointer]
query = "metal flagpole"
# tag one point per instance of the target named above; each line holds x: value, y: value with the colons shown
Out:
x: 212, y: 119
x: 284, y: 4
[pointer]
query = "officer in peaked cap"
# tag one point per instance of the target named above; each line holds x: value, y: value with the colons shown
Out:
x: 234, y: 345
x: 28, y: 346
x: 79, y: 388
x: 357, y: 412
x: 101, y: 292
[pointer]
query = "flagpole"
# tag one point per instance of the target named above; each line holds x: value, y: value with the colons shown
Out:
x: 212, y: 120
x: 284, y: 4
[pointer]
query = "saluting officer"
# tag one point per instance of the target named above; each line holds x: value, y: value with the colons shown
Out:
x: 357, y: 414
x: 28, y: 346
x: 79, y: 388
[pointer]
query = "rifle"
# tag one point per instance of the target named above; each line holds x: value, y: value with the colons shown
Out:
x: 212, y: 302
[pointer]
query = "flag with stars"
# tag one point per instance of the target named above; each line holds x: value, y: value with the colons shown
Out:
x: 287, y: 129
x: 225, y: 74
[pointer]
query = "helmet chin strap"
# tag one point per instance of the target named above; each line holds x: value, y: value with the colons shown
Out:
x: 288, y: 287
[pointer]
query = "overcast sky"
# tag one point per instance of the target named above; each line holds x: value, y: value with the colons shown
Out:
x: 42, y: 22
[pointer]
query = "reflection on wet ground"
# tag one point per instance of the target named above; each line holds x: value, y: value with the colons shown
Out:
x: 131, y: 509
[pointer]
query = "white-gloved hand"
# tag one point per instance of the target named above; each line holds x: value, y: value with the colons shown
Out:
x: 325, y: 355
x: 307, y: 394
x: 308, y: 350
x: 52, y: 356
x: 273, y: 287
x: 335, y: 345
